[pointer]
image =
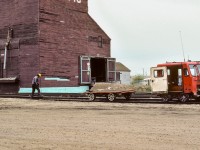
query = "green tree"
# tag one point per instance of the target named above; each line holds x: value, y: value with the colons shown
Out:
x: 137, y: 82
x: 136, y: 79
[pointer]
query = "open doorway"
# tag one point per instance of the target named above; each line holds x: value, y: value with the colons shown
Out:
x: 175, y: 78
x: 98, y: 69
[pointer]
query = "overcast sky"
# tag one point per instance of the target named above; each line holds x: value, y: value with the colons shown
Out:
x: 147, y: 32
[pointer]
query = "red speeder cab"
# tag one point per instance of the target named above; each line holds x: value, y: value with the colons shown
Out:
x: 176, y: 79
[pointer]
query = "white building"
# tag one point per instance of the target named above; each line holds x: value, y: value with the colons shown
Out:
x: 123, y: 74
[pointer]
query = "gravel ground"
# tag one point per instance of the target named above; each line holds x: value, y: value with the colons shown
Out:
x: 62, y: 125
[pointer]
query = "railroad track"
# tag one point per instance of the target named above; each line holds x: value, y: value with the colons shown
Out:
x: 146, y: 99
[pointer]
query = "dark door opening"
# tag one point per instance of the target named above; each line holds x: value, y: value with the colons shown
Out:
x: 175, y: 80
x: 98, y: 69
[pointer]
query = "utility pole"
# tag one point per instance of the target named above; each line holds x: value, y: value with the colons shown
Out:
x: 143, y: 71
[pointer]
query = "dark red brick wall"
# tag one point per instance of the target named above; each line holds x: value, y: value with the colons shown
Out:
x: 18, y: 12
x: 23, y: 58
x: 66, y: 30
x: 48, y: 37
x: 71, y: 5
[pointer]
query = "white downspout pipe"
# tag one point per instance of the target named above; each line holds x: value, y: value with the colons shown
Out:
x: 5, y: 56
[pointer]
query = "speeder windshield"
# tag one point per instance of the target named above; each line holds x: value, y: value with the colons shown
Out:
x: 194, y: 69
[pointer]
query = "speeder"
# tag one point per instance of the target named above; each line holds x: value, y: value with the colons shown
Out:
x: 179, y: 80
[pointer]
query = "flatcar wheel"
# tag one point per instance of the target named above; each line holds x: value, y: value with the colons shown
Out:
x: 183, y: 98
x: 111, y: 97
x: 91, y: 96
x: 127, y: 96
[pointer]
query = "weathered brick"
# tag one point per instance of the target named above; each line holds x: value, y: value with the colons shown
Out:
x: 49, y: 36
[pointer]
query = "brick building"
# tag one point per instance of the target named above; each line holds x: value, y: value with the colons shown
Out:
x: 57, y: 38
